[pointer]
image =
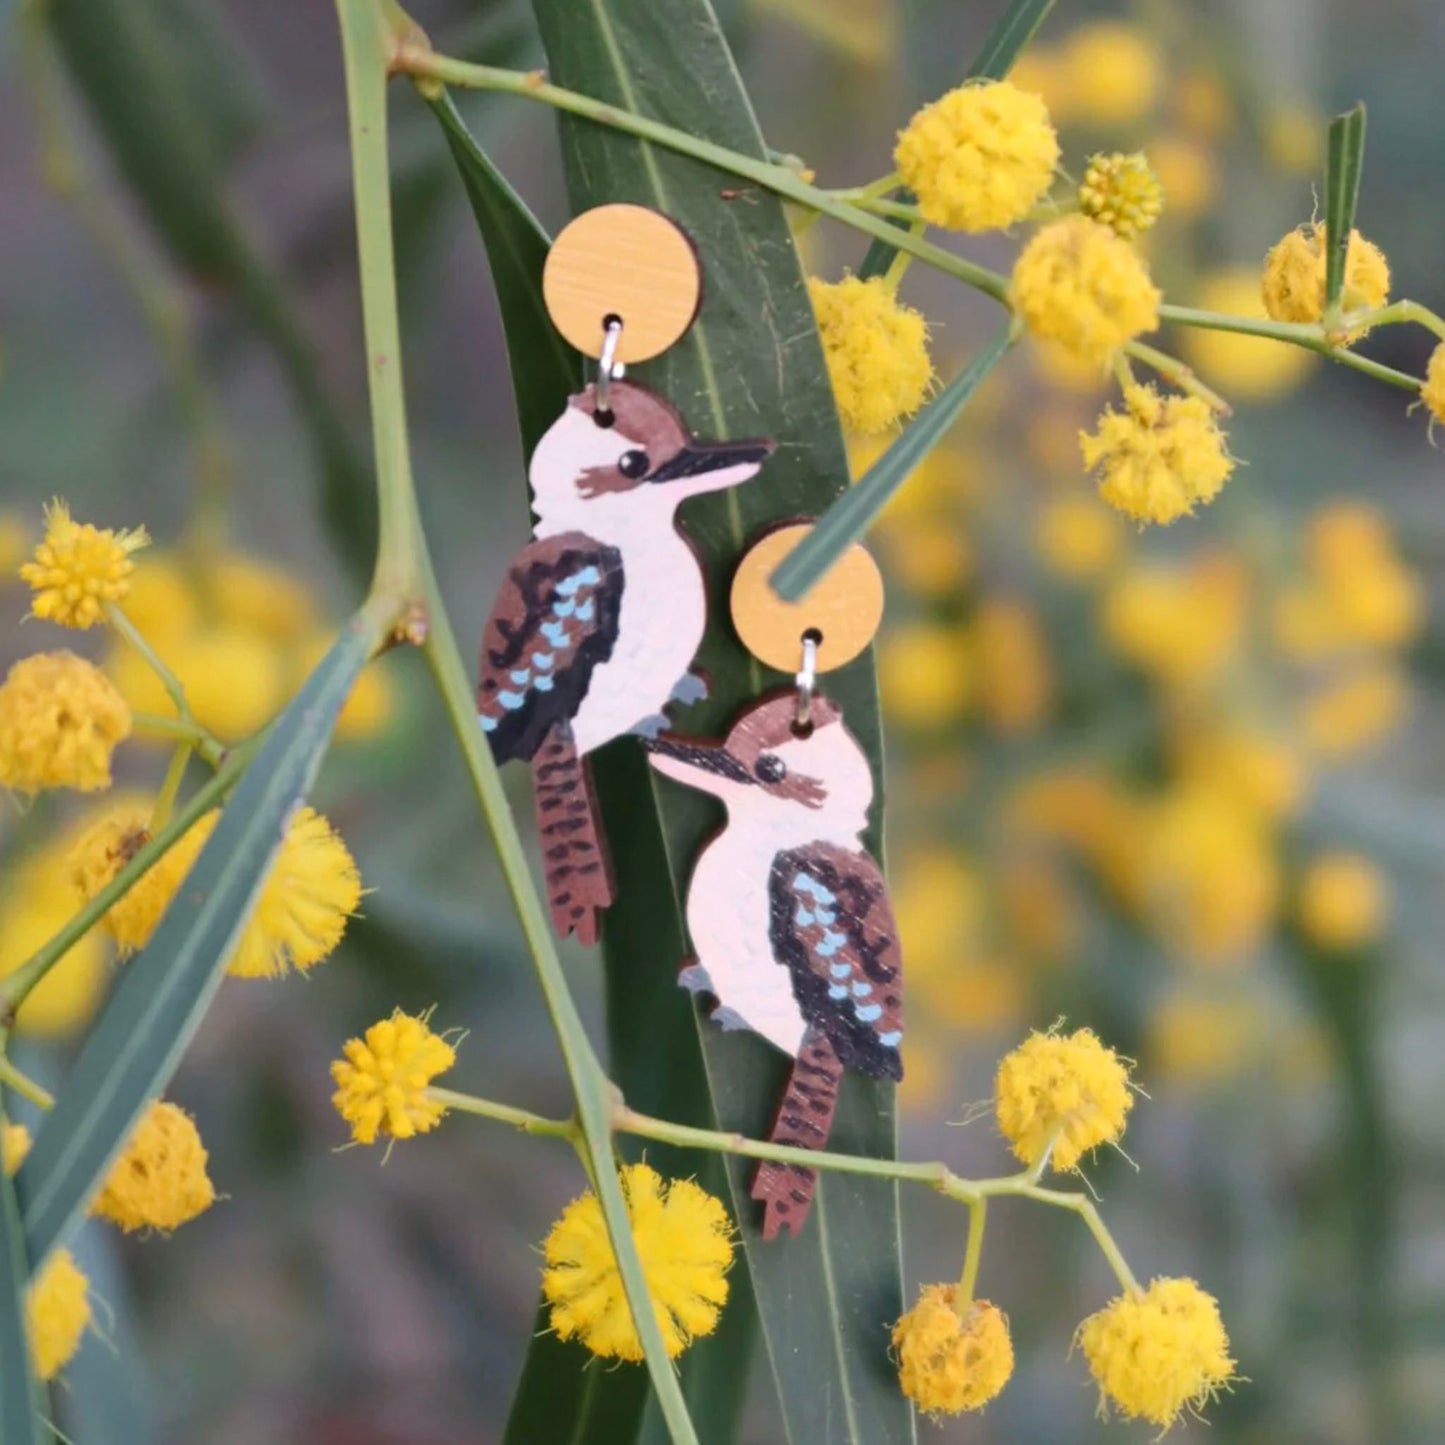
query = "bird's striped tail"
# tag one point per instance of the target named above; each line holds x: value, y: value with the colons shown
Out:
x: 574, y: 854
x: 804, y: 1120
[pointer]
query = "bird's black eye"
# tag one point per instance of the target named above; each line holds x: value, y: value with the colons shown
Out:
x: 633, y: 464
x: 770, y: 769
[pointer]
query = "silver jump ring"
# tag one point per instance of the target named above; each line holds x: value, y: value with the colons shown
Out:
x: 609, y: 369
x: 806, y: 681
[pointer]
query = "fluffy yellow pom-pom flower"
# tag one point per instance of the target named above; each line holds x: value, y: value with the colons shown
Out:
x: 14, y: 1146
x: 1158, y: 1352
x: 77, y: 568
x: 946, y: 1363
x: 1122, y: 192
x: 876, y: 350
x: 381, y: 1084
x: 1067, y: 1088
x: 57, y: 1310
x: 1432, y: 389
x: 109, y: 844
x: 57, y: 1303
x: 979, y: 157
x: 312, y: 889
x: 1079, y: 284
x: 1343, y: 901
x: 160, y: 1179
x: 684, y: 1239
x: 1159, y: 457
x: 1294, y: 275
x: 60, y: 721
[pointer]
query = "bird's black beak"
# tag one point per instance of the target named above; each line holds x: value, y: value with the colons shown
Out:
x: 697, y: 459
x: 684, y: 759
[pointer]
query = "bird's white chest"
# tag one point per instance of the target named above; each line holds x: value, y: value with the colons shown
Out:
x: 660, y: 627
x: 729, y: 918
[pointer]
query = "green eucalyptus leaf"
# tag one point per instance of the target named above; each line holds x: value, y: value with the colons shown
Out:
x: 19, y: 1394
x: 1343, y: 168
x: 544, y: 368
x: 135, y: 1046
x: 855, y: 511
x: 750, y: 365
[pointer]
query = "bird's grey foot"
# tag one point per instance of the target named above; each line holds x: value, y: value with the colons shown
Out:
x: 694, y: 978
x: 728, y: 1019
x: 691, y: 687
x: 650, y: 726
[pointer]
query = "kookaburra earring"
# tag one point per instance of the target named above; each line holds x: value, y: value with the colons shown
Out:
x: 789, y: 914
x: 598, y: 619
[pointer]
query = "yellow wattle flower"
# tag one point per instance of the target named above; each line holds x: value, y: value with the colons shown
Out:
x: 1121, y: 192
x: 980, y: 157
x: 60, y: 721
x: 1159, y: 458
x: 1065, y: 1088
x: 1079, y: 284
x: 947, y: 1362
x: 381, y: 1084
x: 312, y: 889
x: 77, y: 568
x: 1294, y: 275
x: 1344, y: 901
x: 1432, y: 389
x: 876, y: 350
x: 684, y: 1239
x: 1158, y: 1352
x: 160, y: 1180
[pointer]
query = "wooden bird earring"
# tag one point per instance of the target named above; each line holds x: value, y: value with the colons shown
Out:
x: 599, y: 617
x: 789, y: 914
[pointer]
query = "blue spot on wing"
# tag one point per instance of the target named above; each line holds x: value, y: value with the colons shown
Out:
x: 802, y: 917
x: 511, y: 700
x: 837, y: 991
x: 544, y: 684
x: 564, y: 609
x: 555, y: 633
x: 543, y: 660
x: 840, y: 970
x: 862, y: 990
x: 489, y: 724
x: 869, y: 1012
x: 585, y: 611
x: 520, y: 676
x: 891, y: 1039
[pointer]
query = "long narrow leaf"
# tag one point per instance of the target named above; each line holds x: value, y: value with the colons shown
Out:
x: 751, y: 364
x: 544, y: 368
x: 1015, y: 28
x: 1342, y: 195
x: 162, y: 996
x: 853, y: 513
x: 19, y: 1419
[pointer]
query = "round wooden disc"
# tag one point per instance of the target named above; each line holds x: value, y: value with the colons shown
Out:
x: 627, y: 261
x: 845, y: 605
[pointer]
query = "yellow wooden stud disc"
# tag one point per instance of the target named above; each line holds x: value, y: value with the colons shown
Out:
x: 844, y: 606
x: 624, y: 261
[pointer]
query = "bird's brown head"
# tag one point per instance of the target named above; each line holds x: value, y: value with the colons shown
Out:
x: 636, y: 446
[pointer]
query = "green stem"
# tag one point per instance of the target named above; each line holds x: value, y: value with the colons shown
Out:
x: 16, y: 986
x: 1396, y: 312
x: 170, y: 786
x: 881, y: 206
x: 417, y: 61
x: 24, y: 1085
x: 935, y: 1174
x: 523, y: 1119
x: 1313, y: 337
x: 204, y: 743
x: 132, y: 634
x: 1176, y: 373
x: 977, y: 1217
x: 1088, y: 1211
x: 366, y: 43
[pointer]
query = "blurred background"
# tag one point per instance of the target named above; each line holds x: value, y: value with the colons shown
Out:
x: 1184, y: 787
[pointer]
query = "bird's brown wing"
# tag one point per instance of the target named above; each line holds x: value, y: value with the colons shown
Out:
x: 833, y: 927
x: 554, y: 621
